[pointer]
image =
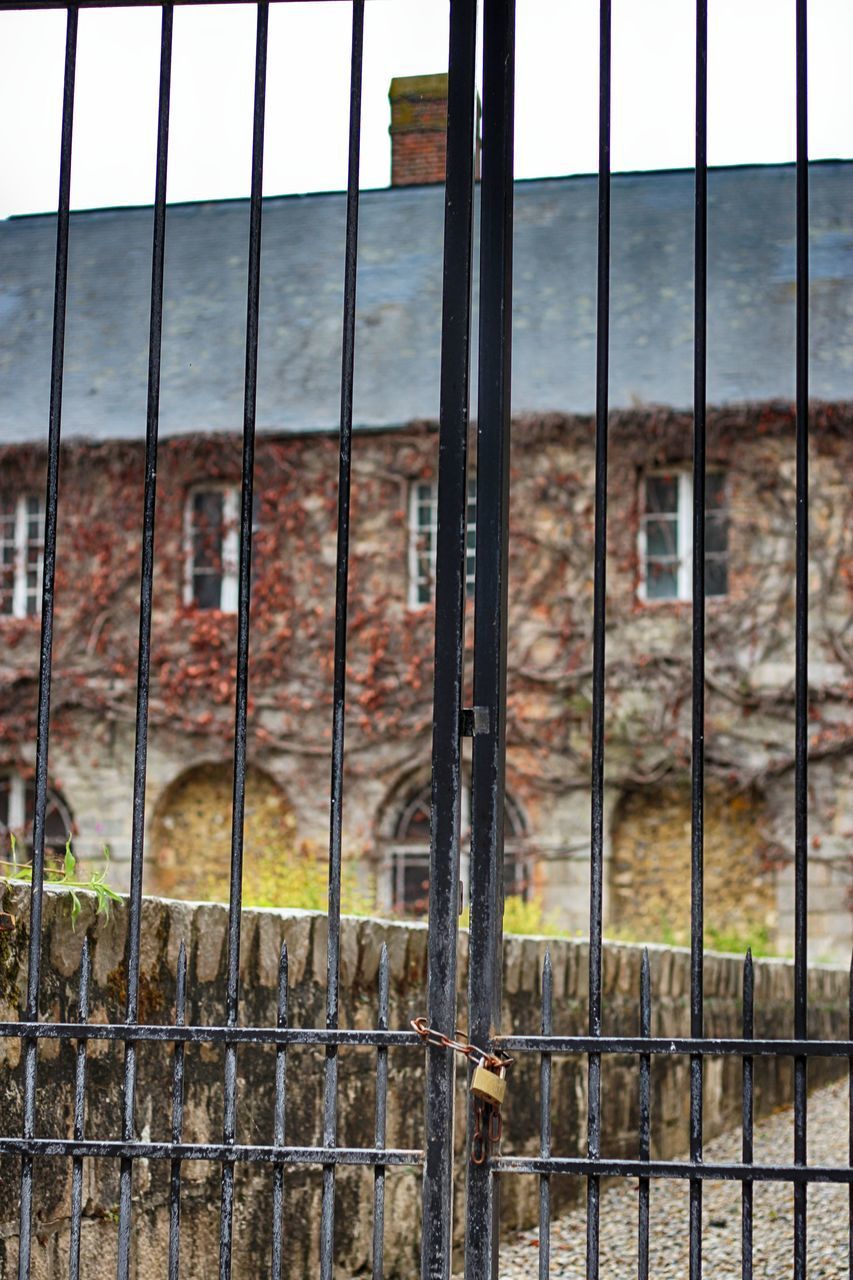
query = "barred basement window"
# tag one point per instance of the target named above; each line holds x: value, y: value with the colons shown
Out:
x: 17, y: 807
x: 21, y: 555
x: 423, y: 528
x: 212, y: 541
x: 666, y: 536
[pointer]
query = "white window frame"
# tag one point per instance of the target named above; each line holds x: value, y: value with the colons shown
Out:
x: 684, y: 535
x: 403, y: 854
x: 230, y: 576
x: 17, y: 802
x: 416, y: 532
x: 20, y: 547
x: 17, y: 815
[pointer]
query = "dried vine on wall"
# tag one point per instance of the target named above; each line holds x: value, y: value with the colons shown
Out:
x: 749, y: 632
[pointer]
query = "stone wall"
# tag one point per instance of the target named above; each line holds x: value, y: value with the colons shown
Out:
x: 203, y: 929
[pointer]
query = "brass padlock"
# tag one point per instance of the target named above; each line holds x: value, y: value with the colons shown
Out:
x: 488, y: 1084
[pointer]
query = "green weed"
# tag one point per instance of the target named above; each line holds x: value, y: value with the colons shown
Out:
x: 65, y: 876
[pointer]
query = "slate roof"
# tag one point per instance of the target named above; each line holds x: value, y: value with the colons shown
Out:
x: 751, y: 303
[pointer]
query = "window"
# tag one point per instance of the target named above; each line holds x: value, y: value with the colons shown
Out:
x: 212, y: 535
x: 666, y: 536
x: 423, y: 528
x: 21, y: 555
x: 410, y: 853
x: 410, y: 857
x: 17, y: 807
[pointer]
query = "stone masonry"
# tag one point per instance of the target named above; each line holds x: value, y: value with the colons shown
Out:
x: 749, y: 689
x: 165, y: 925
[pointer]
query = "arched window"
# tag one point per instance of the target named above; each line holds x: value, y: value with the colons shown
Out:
x: 410, y: 852
x: 517, y: 869
x: 17, y: 808
x: 410, y: 857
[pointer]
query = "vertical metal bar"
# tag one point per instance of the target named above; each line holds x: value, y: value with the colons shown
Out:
x: 436, y: 1238
x: 645, y: 1119
x: 850, y: 1127
x: 545, y: 1122
x: 380, y: 1126
x: 598, y: 633
x: 801, y: 671
x: 144, y: 659
x: 177, y: 1118
x: 748, y: 1117
x: 330, y: 1079
x: 232, y: 998
x: 79, y: 1120
x: 491, y: 594
x: 697, y: 826
x: 46, y: 647
x: 279, y: 1118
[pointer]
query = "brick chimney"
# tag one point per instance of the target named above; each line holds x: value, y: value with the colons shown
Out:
x: 419, y: 129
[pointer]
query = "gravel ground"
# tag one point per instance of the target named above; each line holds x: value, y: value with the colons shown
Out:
x: 828, y: 1214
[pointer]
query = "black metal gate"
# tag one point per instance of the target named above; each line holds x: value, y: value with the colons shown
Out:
x: 484, y: 722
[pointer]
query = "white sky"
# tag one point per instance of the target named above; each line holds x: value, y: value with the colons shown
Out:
x: 751, y: 92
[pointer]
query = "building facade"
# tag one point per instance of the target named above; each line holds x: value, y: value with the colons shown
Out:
x: 749, y: 565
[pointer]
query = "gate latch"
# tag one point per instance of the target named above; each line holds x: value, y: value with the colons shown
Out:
x: 475, y: 720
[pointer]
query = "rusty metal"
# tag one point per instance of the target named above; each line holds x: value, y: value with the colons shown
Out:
x: 478, y: 1138
x: 495, y: 1061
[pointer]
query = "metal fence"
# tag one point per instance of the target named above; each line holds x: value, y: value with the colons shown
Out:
x: 127, y: 1148
x: 484, y: 722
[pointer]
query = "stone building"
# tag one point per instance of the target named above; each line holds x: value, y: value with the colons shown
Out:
x: 749, y: 737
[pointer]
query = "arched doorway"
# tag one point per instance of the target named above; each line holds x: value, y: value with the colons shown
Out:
x: 190, y: 844
x: 650, y: 868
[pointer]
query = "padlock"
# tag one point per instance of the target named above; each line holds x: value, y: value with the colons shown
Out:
x: 489, y: 1085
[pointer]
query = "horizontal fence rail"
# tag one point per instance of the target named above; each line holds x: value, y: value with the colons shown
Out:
x: 709, y: 1046
x: 208, y: 1035
x: 582, y: 1166
x: 252, y: 1153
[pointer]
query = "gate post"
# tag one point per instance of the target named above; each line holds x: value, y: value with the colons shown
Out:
x: 437, y: 1232
x: 490, y: 629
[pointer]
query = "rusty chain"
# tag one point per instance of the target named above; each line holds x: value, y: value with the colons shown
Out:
x: 494, y: 1061
x: 482, y: 1137
x: 481, y: 1140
